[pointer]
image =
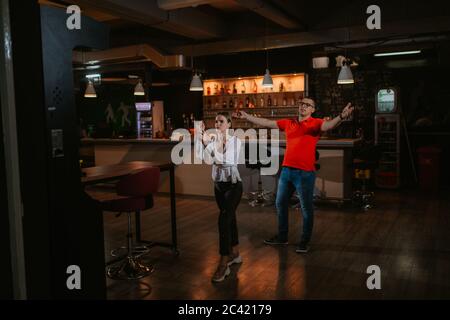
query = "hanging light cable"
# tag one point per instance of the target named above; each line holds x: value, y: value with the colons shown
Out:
x: 345, y: 75
x: 196, y: 82
x: 267, y: 80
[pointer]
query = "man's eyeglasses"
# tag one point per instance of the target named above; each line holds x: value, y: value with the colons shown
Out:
x: 304, y: 104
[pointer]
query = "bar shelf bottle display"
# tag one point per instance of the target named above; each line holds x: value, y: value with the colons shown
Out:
x: 246, y: 93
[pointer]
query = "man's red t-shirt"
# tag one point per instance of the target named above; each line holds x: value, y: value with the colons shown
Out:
x: 301, y: 141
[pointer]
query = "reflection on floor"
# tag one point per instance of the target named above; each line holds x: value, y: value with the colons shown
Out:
x: 406, y: 235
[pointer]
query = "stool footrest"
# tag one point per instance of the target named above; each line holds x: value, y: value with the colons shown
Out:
x: 261, y: 198
x: 151, y: 244
x: 136, y: 251
x: 129, y: 269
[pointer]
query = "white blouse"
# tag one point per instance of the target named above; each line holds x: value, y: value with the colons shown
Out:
x: 224, y: 168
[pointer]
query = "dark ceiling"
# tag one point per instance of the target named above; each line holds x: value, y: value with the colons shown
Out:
x: 206, y: 27
x: 224, y: 33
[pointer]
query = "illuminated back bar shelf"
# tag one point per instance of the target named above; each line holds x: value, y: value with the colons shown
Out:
x: 247, y: 93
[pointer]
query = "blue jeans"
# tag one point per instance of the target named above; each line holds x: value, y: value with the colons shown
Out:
x: 303, y: 182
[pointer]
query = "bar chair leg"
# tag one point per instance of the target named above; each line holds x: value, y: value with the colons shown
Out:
x: 261, y: 197
x: 131, y: 267
x: 138, y: 248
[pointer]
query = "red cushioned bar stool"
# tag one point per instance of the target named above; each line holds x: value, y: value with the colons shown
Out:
x: 134, y: 193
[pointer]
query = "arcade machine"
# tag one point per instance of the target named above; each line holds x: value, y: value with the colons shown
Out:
x: 388, y: 124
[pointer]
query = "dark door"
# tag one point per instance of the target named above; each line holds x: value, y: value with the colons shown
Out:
x: 62, y: 227
x: 6, y: 290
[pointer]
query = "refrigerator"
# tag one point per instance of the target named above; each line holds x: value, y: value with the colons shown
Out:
x: 144, y: 120
x: 149, y: 119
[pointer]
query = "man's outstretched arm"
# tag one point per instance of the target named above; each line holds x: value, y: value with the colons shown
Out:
x: 333, y: 123
x: 266, y: 123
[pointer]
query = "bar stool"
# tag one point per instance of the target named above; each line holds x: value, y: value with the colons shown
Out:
x: 364, y: 164
x: 133, y: 194
x: 260, y: 197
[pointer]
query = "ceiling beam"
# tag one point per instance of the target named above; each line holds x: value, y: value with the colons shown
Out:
x: 400, y: 29
x: 269, y: 12
x: 185, y: 22
x: 127, y: 54
x: 178, y: 4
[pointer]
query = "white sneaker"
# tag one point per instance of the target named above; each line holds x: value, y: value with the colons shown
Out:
x: 238, y: 259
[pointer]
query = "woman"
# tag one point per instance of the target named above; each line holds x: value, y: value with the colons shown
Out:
x: 224, y: 150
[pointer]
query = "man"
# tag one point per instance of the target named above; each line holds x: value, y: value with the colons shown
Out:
x: 298, y: 168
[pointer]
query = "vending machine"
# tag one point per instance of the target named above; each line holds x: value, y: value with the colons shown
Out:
x: 144, y: 120
x: 387, y: 137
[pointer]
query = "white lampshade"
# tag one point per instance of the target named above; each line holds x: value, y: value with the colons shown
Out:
x: 90, y: 91
x: 321, y: 62
x: 196, y: 83
x: 345, y: 75
x: 139, y: 89
x: 267, y: 81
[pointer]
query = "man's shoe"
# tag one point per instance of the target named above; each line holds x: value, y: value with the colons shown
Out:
x: 221, y: 273
x: 302, y: 247
x: 275, y: 241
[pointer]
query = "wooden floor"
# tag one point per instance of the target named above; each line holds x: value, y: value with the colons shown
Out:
x: 407, y: 236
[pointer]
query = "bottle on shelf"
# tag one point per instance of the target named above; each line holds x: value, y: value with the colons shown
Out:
x: 235, y: 103
x: 185, y: 124
x: 247, y: 102
x: 281, y: 89
x: 261, y: 102
x: 255, y: 87
x: 284, y: 101
x: 216, y: 89
x: 169, y: 126
x: 275, y: 101
x: 227, y: 89
x: 216, y: 105
x: 230, y: 103
x: 208, y: 90
x: 224, y: 104
x: 292, y: 103
x: 234, y: 88
x: 269, y: 101
x: 236, y: 109
x: 243, y: 87
x: 222, y: 90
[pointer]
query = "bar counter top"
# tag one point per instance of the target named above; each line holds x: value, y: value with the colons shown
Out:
x: 323, y: 142
x: 334, y: 179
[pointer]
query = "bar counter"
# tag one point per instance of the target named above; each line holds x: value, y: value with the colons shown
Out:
x: 334, y: 179
x: 323, y: 142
